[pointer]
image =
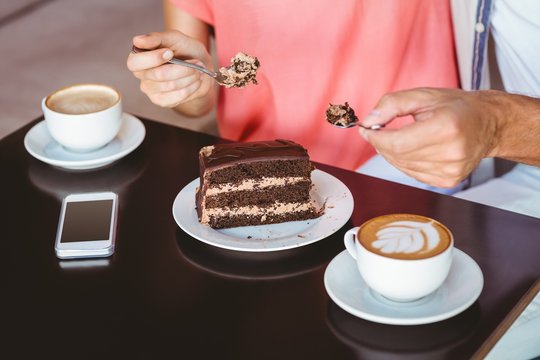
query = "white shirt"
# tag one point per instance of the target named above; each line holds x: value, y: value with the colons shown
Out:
x: 515, y: 26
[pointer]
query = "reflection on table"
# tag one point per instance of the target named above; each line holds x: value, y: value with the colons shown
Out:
x: 371, y: 340
x: 255, y: 265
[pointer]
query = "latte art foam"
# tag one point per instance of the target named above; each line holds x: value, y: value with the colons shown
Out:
x: 84, y: 99
x: 407, y: 237
x: 404, y: 236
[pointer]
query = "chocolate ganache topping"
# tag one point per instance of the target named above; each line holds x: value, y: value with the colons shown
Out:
x: 231, y: 153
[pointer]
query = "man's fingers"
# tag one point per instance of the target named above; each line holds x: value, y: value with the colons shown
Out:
x: 400, y: 103
x: 431, y: 128
x: 443, y: 169
x: 434, y: 180
x: 429, y: 176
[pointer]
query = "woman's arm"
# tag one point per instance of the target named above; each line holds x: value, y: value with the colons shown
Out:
x: 185, y: 90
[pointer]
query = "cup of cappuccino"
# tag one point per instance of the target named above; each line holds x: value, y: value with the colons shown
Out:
x: 402, y: 257
x: 83, y: 117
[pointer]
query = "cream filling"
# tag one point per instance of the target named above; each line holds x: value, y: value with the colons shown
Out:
x: 251, y: 184
x: 277, y: 208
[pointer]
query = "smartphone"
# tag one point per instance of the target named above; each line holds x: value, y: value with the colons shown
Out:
x: 87, y: 226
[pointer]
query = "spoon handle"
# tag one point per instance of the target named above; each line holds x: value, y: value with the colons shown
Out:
x: 176, y: 61
x: 372, y: 127
x: 192, y: 66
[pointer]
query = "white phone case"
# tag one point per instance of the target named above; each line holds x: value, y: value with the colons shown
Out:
x: 87, y: 248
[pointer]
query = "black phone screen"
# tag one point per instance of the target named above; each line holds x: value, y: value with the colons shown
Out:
x: 87, y: 221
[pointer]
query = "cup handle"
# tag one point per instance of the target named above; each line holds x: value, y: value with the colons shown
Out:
x: 349, y: 239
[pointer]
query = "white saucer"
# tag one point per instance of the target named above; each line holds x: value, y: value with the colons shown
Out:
x: 348, y: 290
x: 327, y: 190
x: 39, y: 143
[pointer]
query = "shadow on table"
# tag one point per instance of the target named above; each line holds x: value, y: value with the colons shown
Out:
x: 61, y: 182
x: 370, y: 340
x: 260, y: 265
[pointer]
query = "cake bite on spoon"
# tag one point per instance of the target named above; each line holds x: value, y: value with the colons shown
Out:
x: 241, y: 72
x: 343, y: 116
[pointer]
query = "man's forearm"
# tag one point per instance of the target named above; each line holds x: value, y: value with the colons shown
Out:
x: 518, y: 128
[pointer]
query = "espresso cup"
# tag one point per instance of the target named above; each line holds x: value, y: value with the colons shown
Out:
x: 402, y: 257
x: 83, y: 117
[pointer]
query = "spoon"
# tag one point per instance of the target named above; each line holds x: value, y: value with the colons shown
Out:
x: 216, y: 75
x: 357, y: 123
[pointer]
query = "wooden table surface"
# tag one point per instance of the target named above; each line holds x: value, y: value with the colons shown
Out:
x: 164, y: 294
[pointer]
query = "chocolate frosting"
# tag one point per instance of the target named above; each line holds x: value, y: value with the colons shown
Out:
x: 225, y: 154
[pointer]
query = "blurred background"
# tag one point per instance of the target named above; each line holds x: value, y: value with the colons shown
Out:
x: 48, y: 44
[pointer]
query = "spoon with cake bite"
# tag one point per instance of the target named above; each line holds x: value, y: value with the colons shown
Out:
x: 242, y: 70
x: 216, y: 75
x: 342, y: 116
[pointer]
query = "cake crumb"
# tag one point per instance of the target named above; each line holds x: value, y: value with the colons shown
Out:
x: 207, y: 150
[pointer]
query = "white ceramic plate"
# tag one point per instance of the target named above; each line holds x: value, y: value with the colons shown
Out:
x: 339, y: 207
x: 348, y: 290
x: 39, y: 143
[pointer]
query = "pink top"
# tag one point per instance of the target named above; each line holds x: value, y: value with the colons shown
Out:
x: 315, y: 52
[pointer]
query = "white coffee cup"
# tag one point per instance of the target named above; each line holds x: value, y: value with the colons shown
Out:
x: 388, y: 258
x: 83, y: 117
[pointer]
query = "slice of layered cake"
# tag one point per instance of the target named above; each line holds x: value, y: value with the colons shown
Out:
x: 254, y: 183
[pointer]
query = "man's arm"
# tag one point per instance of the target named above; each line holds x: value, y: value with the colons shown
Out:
x: 454, y: 130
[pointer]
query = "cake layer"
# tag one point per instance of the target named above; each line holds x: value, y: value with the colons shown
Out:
x: 219, y: 222
x: 293, y: 193
x: 257, y: 169
x: 252, y: 184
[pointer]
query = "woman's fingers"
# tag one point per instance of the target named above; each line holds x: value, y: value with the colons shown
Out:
x: 173, y: 98
x: 151, y: 87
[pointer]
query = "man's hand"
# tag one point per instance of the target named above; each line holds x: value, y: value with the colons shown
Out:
x: 452, y: 132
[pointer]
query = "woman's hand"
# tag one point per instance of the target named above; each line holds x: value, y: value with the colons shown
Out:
x: 169, y: 85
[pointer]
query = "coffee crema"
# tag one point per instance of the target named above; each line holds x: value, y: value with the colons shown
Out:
x: 404, y: 236
x: 82, y: 99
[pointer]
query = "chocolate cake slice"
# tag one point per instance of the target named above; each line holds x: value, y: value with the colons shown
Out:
x: 254, y: 183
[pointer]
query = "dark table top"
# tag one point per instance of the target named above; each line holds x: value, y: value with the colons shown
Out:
x: 164, y: 294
